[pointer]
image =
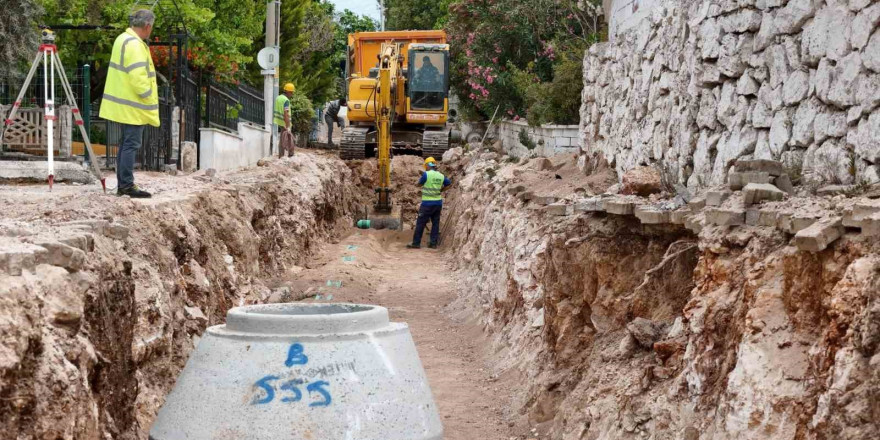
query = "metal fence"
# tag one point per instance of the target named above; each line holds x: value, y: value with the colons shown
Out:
x: 225, y: 105
x: 203, y: 102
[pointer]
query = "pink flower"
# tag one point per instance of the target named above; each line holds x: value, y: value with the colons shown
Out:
x: 516, y: 118
x: 472, y: 96
x: 495, y: 60
x: 490, y: 79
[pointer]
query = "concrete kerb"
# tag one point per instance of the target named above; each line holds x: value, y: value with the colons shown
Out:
x: 37, y: 171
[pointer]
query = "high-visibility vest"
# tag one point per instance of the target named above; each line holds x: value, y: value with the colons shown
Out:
x: 431, y: 191
x: 131, y: 95
x: 280, y: 102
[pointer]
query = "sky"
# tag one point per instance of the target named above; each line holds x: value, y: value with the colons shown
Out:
x: 362, y: 7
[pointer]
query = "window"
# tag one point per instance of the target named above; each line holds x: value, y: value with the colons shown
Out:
x: 428, y: 80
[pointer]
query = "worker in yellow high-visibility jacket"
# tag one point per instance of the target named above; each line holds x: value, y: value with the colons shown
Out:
x: 131, y: 96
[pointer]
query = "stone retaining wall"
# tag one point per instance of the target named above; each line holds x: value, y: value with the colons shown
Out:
x: 703, y: 83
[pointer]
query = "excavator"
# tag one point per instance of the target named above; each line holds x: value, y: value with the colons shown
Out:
x: 400, y: 105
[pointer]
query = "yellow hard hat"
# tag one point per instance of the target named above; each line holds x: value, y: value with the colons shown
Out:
x: 289, y: 87
x: 430, y: 162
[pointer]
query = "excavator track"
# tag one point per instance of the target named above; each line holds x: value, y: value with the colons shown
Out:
x: 435, y: 143
x: 353, y: 144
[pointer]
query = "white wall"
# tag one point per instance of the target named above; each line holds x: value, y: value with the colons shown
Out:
x: 223, y: 150
x: 550, y: 139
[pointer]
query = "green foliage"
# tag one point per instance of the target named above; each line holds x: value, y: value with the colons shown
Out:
x: 301, y: 114
x: 416, y: 14
x: 526, y: 140
x: 508, y: 54
x: 222, y: 30
x: 18, y: 33
x: 556, y: 101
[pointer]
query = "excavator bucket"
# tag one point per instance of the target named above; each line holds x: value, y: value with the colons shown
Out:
x: 371, y: 219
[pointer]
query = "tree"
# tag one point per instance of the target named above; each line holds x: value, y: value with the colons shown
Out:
x: 507, y: 54
x: 18, y: 31
x: 416, y: 14
x: 222, y: 31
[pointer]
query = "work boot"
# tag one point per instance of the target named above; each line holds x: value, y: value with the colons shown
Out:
x: 413, y: 246
x: 432, y: 246
x: 133, y: 192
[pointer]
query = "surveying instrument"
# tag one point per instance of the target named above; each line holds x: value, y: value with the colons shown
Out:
x: 51, y: 63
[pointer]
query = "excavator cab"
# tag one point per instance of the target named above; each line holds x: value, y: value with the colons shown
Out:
x: 428, y: 78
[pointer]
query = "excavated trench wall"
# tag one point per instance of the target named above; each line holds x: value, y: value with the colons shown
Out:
x: 698, y: 84
x: 90, y: 349
x: 623, y: 330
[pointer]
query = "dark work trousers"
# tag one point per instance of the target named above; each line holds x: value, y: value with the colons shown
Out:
x: 132, y: 138
x: 330, y: 121
x: 428, y: 213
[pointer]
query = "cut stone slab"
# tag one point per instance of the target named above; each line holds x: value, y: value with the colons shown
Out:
x: 819, y: 235
x: 871, y: 225
x: 697, y: 203
x: 716, y: 198
x: 772, y: 167
x: 619, y: 207
x: 759, y: 217
x: 726, y: 217
x: 799, y: 222
x: 558, y: 209
x: 16, y: 257
x: 31, y: 171
x: 545, y: 200
x: 62, y: 255
x: 737, y: 180
x: 859, y: 213
x: 589, y: 205
x: 679, y: 217
x: 833, y: 190
x: 694, y: 223
x: 759, y: 192
x: 649, y: 215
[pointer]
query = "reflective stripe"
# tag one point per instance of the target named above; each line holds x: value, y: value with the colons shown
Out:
x: 122, y: 51
x: 136, y: 105
x: 146, y: 94
x: 131, y: 67
x: 433, y: 187
x: 151, y: 75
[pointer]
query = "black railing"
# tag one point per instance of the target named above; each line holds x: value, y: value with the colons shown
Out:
x: 252, y: 104
x: 221, y: 106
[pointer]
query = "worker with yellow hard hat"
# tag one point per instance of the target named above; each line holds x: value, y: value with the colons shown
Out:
x: 433, y: 184
x: 282, y: 107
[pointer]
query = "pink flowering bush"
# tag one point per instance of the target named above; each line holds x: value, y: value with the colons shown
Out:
x: 507, y: 54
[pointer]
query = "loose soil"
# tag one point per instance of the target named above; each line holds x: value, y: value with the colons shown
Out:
x: 416, y: 286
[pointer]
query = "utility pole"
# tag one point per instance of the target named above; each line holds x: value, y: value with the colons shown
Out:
x: 381, y: 15
x: 270, y: 75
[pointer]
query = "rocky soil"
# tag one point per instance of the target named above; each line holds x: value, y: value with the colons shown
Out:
x: 104, y: 298
x: 632, y: 330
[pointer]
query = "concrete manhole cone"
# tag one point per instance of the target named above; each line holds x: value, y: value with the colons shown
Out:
x: 302, y: 371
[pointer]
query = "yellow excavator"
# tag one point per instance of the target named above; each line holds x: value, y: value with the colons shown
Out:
x: 400, y: 105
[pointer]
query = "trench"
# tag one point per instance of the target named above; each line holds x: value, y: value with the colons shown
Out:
x: 586, y: 326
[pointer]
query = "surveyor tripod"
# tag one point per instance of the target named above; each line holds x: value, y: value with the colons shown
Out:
x: 51, y: 63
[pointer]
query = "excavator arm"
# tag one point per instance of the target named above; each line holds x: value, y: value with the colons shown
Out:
x: 386, y: 93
